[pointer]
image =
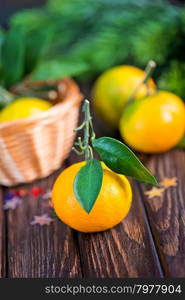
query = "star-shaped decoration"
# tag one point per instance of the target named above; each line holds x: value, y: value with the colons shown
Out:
x: 154, y: 192
x: 13, y: 203
x: 168, y: 182
x: 42, y: 220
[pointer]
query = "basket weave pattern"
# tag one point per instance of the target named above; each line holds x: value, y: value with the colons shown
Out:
x: 34, y: 147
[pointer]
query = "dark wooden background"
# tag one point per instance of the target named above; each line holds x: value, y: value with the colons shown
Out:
x: 150, y: 242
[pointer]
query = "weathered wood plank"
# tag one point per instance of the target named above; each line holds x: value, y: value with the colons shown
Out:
x: 127, y: 250
x: 2, y: 237
x: 124, y: 251
x: 35, y: 251
x: 167, y: 214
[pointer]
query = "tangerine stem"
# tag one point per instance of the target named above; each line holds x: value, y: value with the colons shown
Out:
x: 86, y: 128
x: 89, y: 134
x: 148, y: 72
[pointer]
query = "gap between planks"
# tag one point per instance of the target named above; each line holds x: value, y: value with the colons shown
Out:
x: 40, y: 252
x: 125, y: 251
x: 167, y: 214
x: 128, y: 250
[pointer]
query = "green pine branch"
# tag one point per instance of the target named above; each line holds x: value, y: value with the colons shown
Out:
x: 85, y: 37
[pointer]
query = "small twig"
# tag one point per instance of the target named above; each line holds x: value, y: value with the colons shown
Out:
x: 80, y: 127
x: 90, y: 152
x: 89, y: 134
x: 93, y: 132
x: 77, y: 151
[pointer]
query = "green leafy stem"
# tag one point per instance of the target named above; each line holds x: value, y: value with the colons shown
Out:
x: 116, y: 156
x: 87, y: 126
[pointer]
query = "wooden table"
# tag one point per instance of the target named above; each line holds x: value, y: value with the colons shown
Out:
x: 150, y: 242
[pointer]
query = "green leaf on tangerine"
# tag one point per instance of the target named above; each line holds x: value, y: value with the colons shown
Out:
x: 87, y: 184
x: 119, y: 158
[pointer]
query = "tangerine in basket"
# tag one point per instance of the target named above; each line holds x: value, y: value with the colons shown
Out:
x: 22, y: 108
x: 112, y: 205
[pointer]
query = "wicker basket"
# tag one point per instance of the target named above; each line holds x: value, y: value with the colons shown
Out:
x: 34, y: 147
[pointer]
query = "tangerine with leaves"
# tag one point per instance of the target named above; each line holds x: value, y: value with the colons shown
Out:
x: 111, y: 206
x: 95, y: 195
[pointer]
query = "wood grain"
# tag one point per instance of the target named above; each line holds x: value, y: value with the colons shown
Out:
x: 167, y: 214
x: 40, y: 251
x: 2, y: 238
x: 150, y: 242
x: 57, y: 251
x: 127, y: 250
x: 124, y: 251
